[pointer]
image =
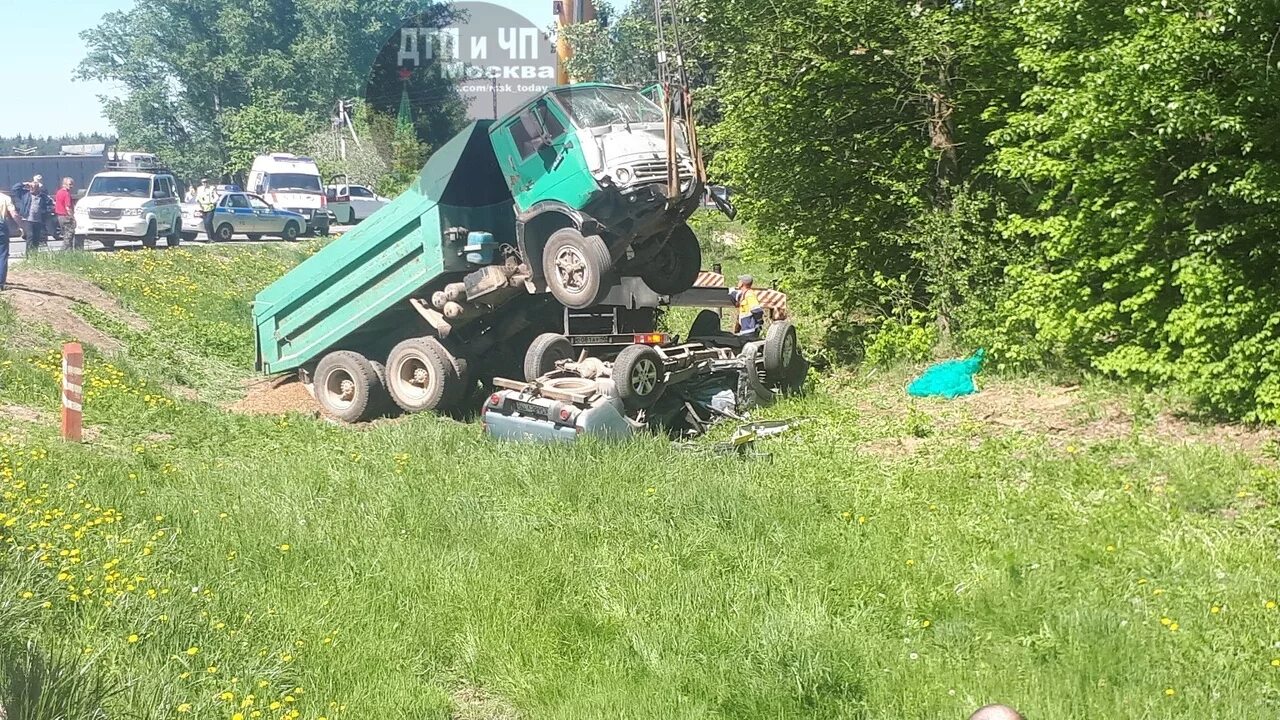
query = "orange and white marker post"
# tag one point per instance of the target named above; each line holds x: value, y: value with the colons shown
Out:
x: 72, y: 391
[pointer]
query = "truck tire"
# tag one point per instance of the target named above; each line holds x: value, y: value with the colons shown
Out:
x: 575, y: 268
x: 542, y: 355
x: 421, y: 377
x: 175, y: 235
x: 639, y: 376
x: 780, y: 351
x: 107, y: 243
x: 676, y: 266
x: 347, y: 386
x: 149, y: 240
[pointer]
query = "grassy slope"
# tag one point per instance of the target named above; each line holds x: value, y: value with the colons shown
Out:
x: 413, y: 569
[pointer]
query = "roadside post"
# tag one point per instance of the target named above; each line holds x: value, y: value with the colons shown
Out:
x: 72, y: 391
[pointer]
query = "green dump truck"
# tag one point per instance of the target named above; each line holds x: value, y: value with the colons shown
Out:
x: 509, y: 223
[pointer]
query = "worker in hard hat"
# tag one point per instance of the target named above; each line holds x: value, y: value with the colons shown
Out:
x: 750, y: 315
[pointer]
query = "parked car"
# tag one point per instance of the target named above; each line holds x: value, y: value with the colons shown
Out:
x: 352, y: 203
x: 132, y: 203
x: 240, y: 213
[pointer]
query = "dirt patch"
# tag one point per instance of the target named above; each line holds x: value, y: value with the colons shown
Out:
x: 275, y: 396
x: 50, y: 297
x: 22, y: 413
x: 473, y: 703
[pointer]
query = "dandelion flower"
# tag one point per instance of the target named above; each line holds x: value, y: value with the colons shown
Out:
x: 1215, y: 610
x: 1170, y: 692
x: 284, y: 548
x: 926, y: 623
x: 193, y: 650
x: 133, y: 638
x: 1271, y: 605
x: 184, y: 708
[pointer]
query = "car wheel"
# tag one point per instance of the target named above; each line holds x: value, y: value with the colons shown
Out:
x: 149, y: 240
x: 676, y: 266
x: 224, y: 232
x: 189, y: 236
x: 254, y: 236
x: 351, y: 216
x: 421, y: 375
x: 290, y: 231
x: 639, y: 376
x: 348, y: 386
x: 780, y: 351
x: 575, y: 268
x: 543, y: 353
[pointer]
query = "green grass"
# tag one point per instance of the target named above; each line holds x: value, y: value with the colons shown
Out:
x: 414, y: 569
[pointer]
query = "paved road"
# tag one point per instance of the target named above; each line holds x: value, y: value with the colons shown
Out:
x: 18, y: 247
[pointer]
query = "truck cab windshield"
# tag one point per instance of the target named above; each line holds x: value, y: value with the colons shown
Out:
x: 591, y: 107
x: 277, y: 182
x: 135, y: 187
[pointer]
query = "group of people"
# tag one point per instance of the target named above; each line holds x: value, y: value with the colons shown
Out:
x: 29, y: 208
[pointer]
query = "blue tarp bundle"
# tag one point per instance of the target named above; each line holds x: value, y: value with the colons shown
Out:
x: 949, y: 378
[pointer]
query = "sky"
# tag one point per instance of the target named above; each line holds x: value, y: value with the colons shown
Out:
x: 51, y: 41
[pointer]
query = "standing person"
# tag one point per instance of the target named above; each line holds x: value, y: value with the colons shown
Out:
x: 750, y: 312
x: 7, y: 212
x: 64, y: 208
x: 35, y: 207
x: 207, y: 197
x: 190, y: 197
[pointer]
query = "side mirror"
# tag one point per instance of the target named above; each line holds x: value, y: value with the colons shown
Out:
x: 724, y: 206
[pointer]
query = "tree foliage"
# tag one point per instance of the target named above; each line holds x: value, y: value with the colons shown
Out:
x: 185, y: 68
x: 1084, y: 183
x: 263, y: 126
x: 1150, y: 140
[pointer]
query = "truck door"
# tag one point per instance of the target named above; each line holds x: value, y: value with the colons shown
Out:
x: 542, y: 144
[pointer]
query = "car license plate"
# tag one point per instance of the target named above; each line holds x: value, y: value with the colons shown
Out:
x: 526, y: 408
x: 103, y: 228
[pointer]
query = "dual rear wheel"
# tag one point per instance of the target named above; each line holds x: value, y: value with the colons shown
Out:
x: 420, y: 375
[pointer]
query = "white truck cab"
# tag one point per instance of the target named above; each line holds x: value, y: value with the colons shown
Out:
x: 293, y: 183
x: 135, y: 199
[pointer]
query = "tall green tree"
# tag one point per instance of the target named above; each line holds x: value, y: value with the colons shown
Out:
x: 1150, y: 139
x: 182, y: 65
x: 854, y: 132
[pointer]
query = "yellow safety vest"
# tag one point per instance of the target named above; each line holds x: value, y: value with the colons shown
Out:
x: 747, y: 301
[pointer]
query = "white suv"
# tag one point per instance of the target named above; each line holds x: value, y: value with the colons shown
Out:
x: 124, y: 205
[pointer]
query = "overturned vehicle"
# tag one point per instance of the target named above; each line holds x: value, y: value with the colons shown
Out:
x: 617, y: 384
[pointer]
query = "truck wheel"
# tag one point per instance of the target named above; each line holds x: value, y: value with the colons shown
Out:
x: 290, y: 231
x: 420, y: 375
x: 108, y: 243
x: 149, y: 240
x: 347, y: 386
x: 254, y: 237
x: 780, y: 351
x: 175, y: 235
x: 676, y: 266
x: 542, y: 355
x: 224, y: 232
x: 575, y: 268
x: 639, y: 376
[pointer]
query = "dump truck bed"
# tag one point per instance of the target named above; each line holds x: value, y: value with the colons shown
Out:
x: 398, y: 252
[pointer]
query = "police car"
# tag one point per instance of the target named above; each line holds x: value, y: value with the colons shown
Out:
x: 241, y: 213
